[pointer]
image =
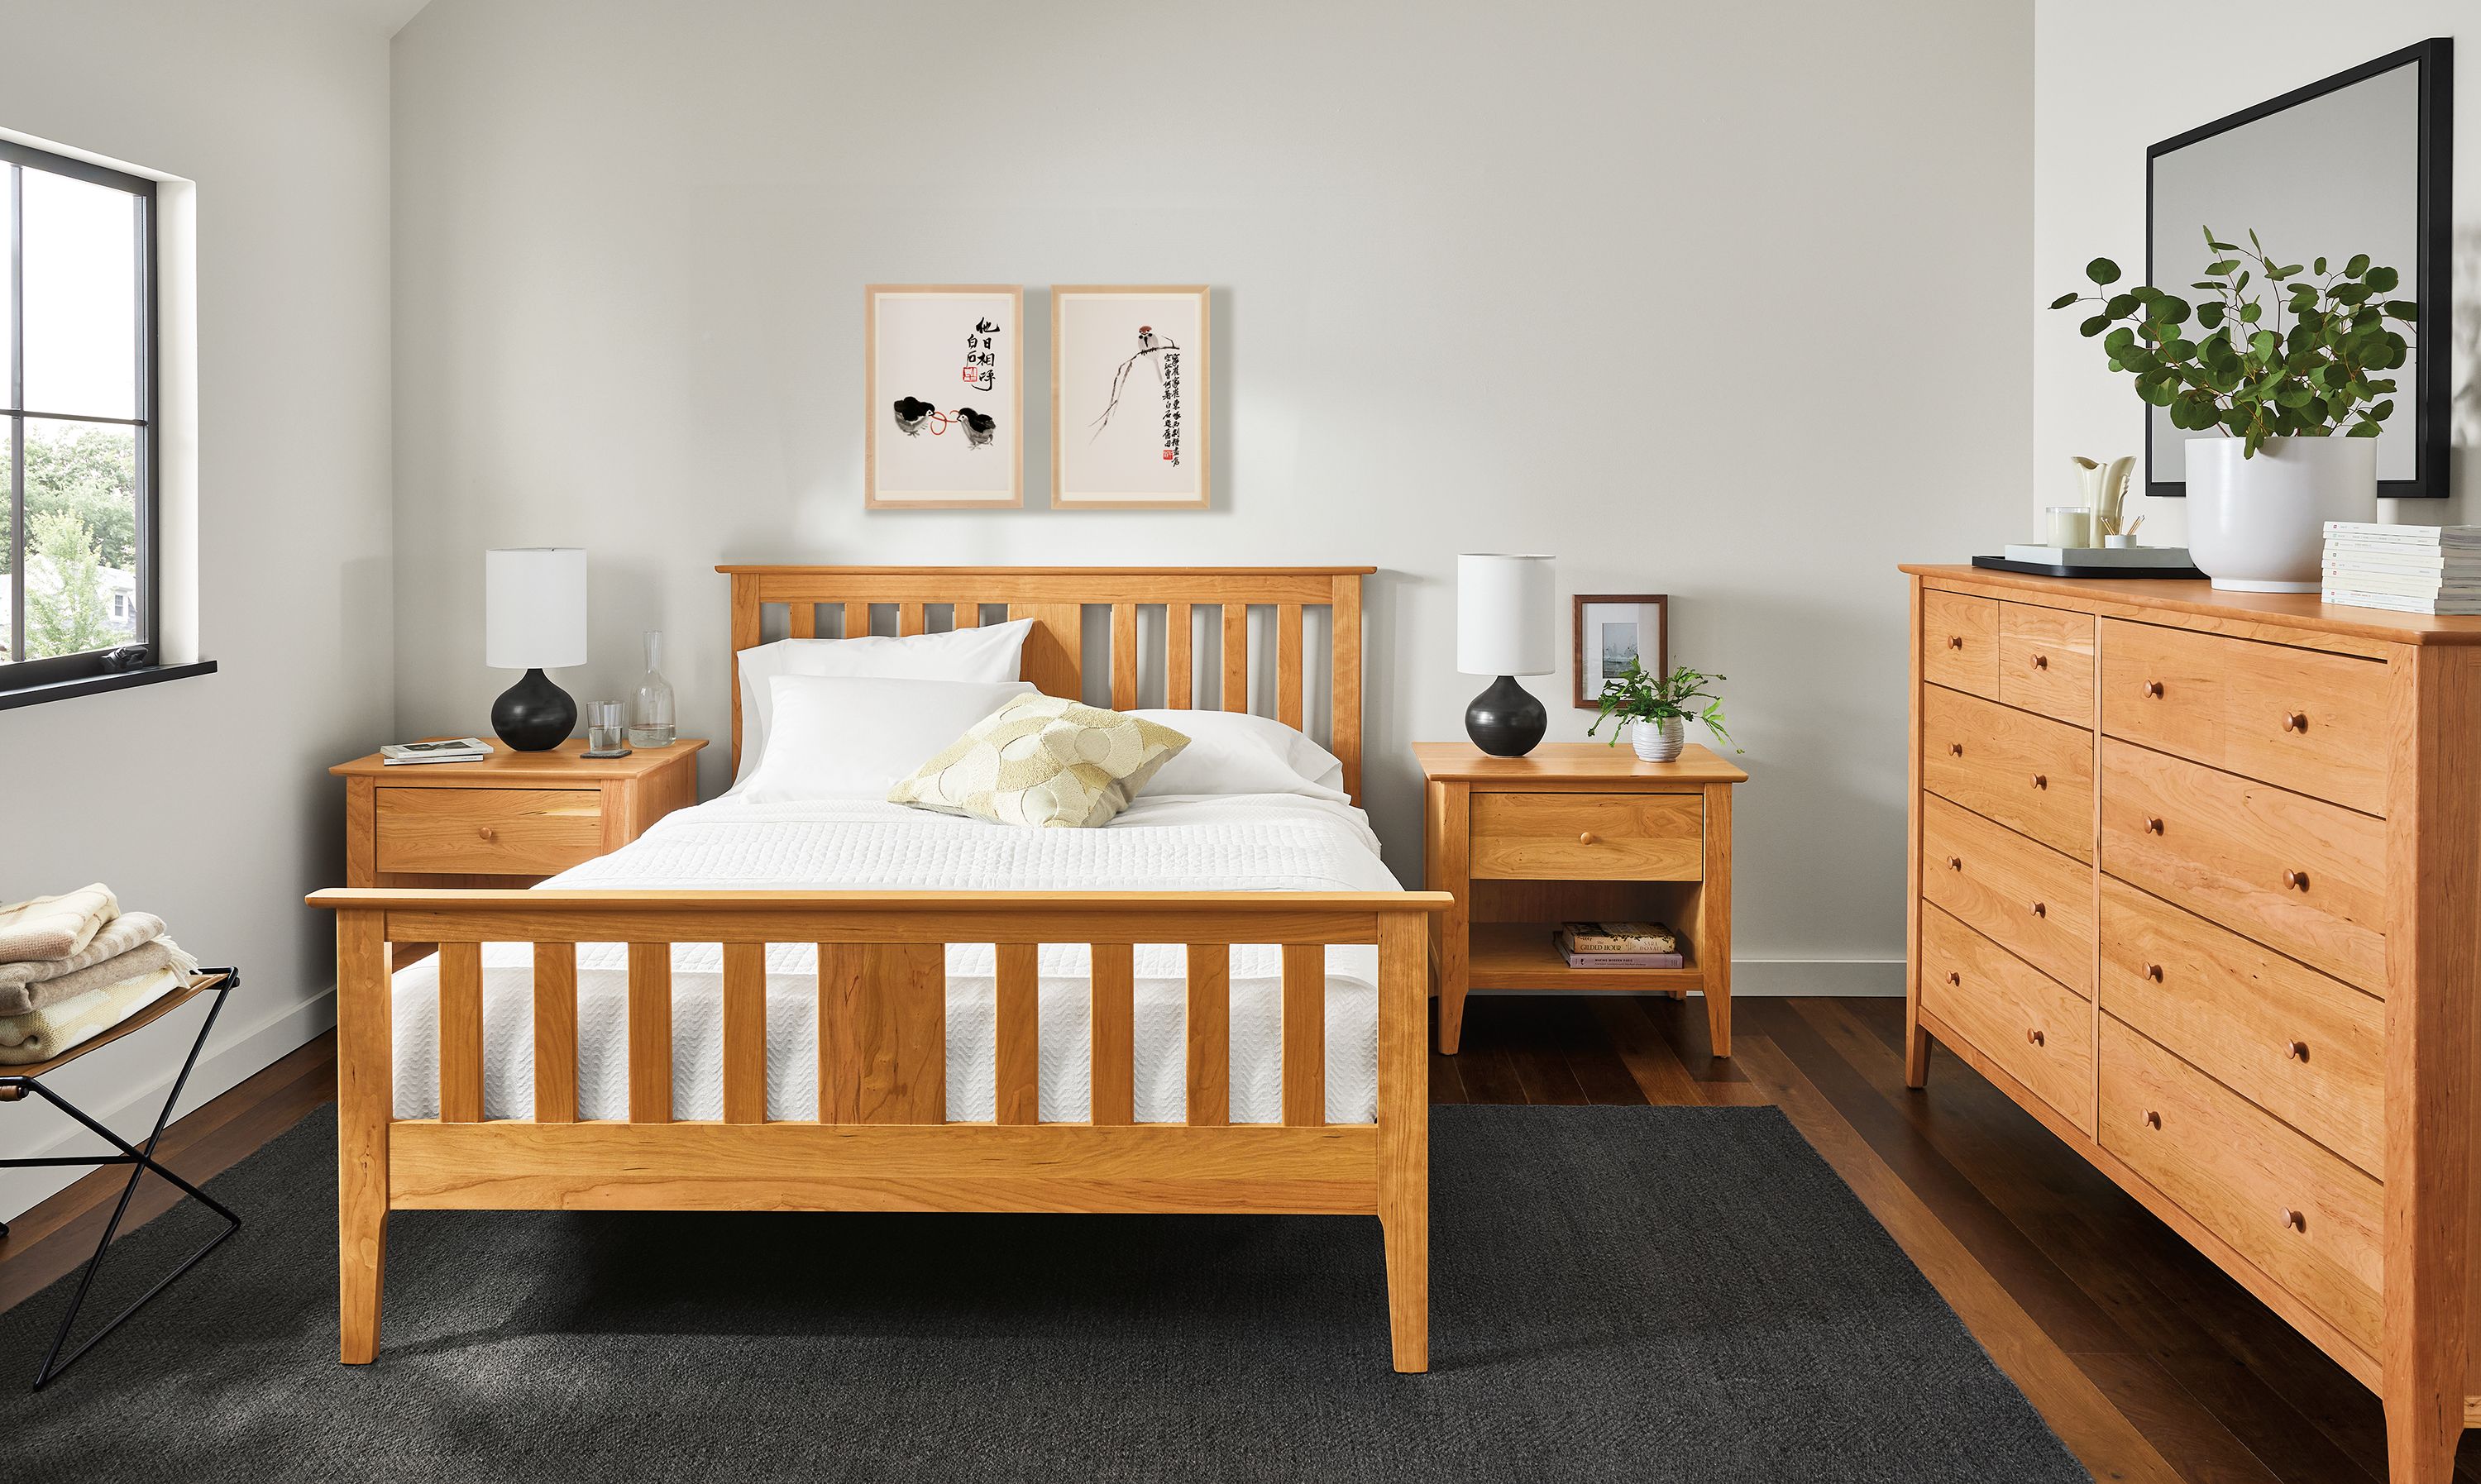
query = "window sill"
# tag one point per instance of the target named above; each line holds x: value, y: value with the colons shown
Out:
x: 89, y: 685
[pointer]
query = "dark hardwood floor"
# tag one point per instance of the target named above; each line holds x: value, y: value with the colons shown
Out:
x: 2148, y: 1362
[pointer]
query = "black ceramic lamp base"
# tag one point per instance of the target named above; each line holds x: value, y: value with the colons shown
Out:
x: 1505, y: 721
x: 534, y: 715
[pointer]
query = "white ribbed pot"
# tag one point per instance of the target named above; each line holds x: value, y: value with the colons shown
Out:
x: 1658, y: 742
x: 2259, y: 525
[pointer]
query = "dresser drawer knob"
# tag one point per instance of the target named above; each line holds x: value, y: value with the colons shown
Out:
x: 2297, y: 1051
x: 1954, y: 979
x: 1955, y: 641
x: 2297, y: 1220
x: 1955, y: 863
x: 2297, y: 721
x: 2154, y: 824
x: 2152, y: 1119
x: 2042, y: 910
x: 2154, y: 971
x: 2153, y: 689
x: 2296, y: 880
x: 2033, y: 1037
x: 1588, y: 837
x: 2041, y: 662
x: 1955, y: 749
x: 2041, y: 780
x: 487, y: 832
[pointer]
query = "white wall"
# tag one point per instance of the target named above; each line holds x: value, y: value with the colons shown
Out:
x: 1723, y: 302
x: 2096, y: 111
x: 207, y: 799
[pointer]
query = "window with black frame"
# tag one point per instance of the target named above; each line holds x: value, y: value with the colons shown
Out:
x: 77, y: 325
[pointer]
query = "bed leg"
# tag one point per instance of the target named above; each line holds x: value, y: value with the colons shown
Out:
x: 1404, y: 1133
x: 365, y: 1101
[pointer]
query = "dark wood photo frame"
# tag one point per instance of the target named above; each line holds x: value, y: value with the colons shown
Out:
x: 1659, y: 602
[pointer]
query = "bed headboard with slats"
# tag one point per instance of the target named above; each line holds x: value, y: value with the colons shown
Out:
x: 1055, y: 650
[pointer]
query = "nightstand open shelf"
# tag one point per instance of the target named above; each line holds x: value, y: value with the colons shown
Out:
x: 1521, y: 956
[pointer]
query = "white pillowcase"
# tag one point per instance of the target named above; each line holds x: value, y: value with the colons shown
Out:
x: 1237, y: 752
x: 839, y: 737
x: 991, y: 654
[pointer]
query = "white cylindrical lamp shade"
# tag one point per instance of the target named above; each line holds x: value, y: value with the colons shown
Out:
x: 533, y: 606
x: 1505, y: 611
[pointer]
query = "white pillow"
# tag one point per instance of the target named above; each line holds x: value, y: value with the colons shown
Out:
x: 1237, y: 752
x: 989, y: 654
x: 840, y: 737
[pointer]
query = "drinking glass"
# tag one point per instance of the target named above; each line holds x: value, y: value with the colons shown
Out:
x: 607, y: 728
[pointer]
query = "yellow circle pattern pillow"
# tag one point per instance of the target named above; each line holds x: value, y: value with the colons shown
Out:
x: 1044, y: 763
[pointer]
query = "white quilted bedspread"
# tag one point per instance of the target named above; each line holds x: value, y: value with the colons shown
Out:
x: 1257, y: 843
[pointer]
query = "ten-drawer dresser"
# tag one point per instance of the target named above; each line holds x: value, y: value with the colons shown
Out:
x: 2195, y: 878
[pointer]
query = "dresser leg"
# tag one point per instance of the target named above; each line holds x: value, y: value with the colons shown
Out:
x: 1718, y: 1020
x: 2420, y: 1444
x: 1916, y: 1049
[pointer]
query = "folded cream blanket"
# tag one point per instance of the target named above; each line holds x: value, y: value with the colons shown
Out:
x: 55, y: 1028
x: 90, y: 971
x: 53, y: 927
x: 117, y: 936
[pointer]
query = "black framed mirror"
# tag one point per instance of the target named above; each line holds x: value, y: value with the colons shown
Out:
x: 2360, y: 162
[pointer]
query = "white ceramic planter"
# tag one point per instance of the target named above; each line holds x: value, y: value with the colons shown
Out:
x: 2259, y: 525
x: 1658, y: 744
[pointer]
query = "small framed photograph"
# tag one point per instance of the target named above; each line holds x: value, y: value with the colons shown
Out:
x: 945, y: 381
x: 1129, y: 398
x: 1613, y: 629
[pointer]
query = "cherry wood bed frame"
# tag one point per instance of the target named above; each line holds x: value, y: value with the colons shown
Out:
x: 880, y: 1140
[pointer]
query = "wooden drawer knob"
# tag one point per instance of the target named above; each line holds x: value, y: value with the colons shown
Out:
x: 2154, y: 971
x: 2297, y: 1220
x: 1956, y: 979
x: 2033, y: 1037
x: 1955, y: 641
x: 1955, y: 863
x: 2041, y: 662
x: 2152, y: 1119
x: 2041, y: 780
x: 2296, y: 880
x: 1588, y: 837
x: 2154, y: 824
x: 2297, y: 1051
x: 2042, y: 910
x: 2297, y: 721
x: 487, y: 832
x: 1955, y: 749
x: 2153, y: 689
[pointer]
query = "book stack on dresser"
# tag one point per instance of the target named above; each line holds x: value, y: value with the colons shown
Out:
x: 2195, y: 881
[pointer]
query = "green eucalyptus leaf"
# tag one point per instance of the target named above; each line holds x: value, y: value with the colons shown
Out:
x: 2209, y: 313
x: 2251, y: 313
x: 2382, y: 279
x: 2220, y: 267
x: 2403, y: 308
x: 2064, y: 301
x: 2102, y: 271
x: 2359, y: 264
x: 2094, y: 327
x: 2363, y: 429
x: 2317, y: 267
x: 2120, y: 304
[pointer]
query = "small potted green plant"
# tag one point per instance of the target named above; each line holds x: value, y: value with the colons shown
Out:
x: 1655, y: 710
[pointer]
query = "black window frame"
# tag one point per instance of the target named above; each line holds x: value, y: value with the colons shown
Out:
x: 49, y: 674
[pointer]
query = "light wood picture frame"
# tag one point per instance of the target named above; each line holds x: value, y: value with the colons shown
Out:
x: 1611, y: 628
x: 1130, y: 391
x: 944, y: 393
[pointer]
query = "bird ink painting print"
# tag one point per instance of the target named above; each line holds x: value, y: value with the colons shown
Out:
x: 1129, y: 406
x: 945, y: 388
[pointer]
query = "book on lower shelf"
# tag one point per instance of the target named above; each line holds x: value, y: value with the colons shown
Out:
x: 1618, y: 946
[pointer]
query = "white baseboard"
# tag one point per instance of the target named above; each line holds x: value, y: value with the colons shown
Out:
x: 1873, y: 978
x: 225, y: 1066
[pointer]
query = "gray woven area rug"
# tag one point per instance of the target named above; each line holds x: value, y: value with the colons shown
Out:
x: 1618, y: 1293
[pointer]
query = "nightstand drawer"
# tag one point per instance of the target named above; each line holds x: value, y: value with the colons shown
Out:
x: 488, y: 831
x: 1621, y: 837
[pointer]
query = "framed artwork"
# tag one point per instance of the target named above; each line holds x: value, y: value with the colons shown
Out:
x: 1129, y: 398
x: 1613, y: 629
x: 944, y: 384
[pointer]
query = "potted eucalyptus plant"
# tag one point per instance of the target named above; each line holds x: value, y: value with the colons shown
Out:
x: 2285, y: 410
x: 1655, y: 710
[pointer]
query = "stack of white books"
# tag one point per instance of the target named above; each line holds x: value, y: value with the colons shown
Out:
x: 452, y: 749
x: 2407, y: 569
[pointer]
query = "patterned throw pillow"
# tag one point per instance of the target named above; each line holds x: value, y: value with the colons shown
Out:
x: 1043, y: 762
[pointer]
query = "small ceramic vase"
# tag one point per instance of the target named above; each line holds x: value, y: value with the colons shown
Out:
x: 1658, y: 742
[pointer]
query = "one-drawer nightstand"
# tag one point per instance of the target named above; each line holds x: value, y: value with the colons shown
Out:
x: 1575, y: 831
x: 508, y: 821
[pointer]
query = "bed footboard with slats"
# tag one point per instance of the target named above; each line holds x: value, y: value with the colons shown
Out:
x: 878, y: 1139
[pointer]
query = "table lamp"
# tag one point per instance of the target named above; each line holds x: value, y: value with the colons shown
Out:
x: 1504, y: 628
x: 533, y: 606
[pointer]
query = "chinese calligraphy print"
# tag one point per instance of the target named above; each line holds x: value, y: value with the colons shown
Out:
x: 1129, y: 398
x: 946, y: 392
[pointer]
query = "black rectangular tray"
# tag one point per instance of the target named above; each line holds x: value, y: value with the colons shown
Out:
x: 2054, y: 569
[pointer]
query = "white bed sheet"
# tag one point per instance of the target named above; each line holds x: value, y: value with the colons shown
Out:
x: 1197, y: 842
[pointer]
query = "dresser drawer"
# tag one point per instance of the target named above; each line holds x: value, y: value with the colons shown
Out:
x: 2027, y: 897
x: 488, y: 831
x: 2030, y: 773
x: 1960, y: 642
x: 2307, y: 1217
x: 2296, y: 873
x: 2311, y: 721
x: 2036, y: 1031
x: 2046, y: 660
x: 2308, y: 1049
x: 1563, y: 836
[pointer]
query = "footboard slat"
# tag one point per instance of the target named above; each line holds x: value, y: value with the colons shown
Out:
x: 555, y: 1033
x: 1210, y: 1035
x: 1018, y: 1025
x: 460, y: 1033
x: 1304, y: 1034
x: 744, y: 1032
x: 883, y: 1032
x: 1114, y: 1039
x: 650, y: 1033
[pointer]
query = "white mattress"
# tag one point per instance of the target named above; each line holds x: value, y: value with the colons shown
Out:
x: 1235, y: 843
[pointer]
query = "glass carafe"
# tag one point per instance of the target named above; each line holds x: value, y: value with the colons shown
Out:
x: 650, y: 711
